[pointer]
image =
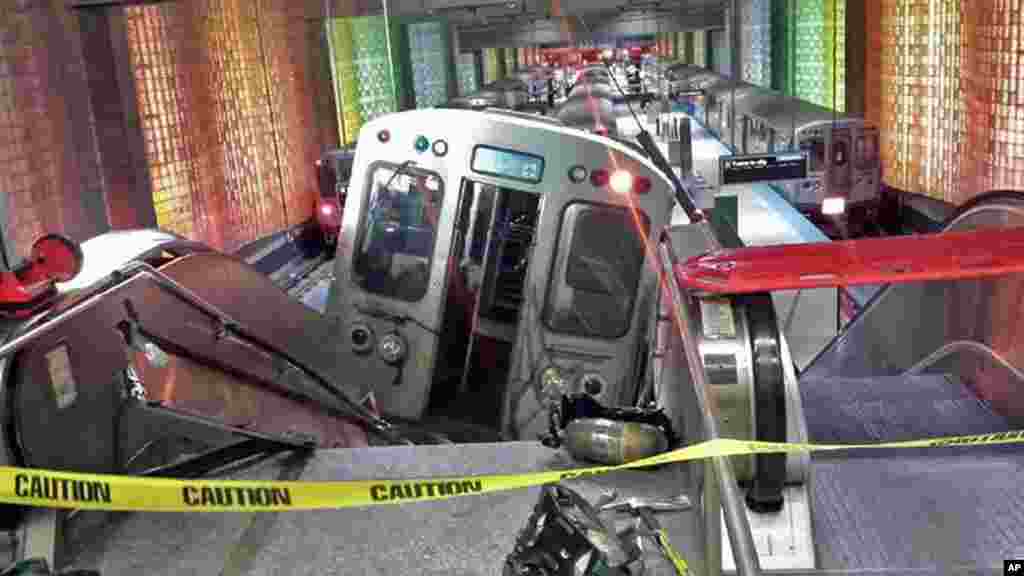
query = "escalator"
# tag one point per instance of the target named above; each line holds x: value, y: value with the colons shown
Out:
x: 922, y: 361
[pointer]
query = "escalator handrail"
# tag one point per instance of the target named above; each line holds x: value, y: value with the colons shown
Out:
x: 737, y: 524
x: 958, y: 346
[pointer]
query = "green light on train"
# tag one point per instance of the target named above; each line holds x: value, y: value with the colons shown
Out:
x: 422, y: 144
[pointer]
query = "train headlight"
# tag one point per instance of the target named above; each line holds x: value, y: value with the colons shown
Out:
x: 833, y: 206
x: 621, y: 182
x: 362, y: 338
x: 392, y: 348
x: 552, y: 383
x: 593, y: 384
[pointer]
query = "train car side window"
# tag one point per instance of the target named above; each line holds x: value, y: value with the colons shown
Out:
x: 592, y: 288
x: 396, y: 240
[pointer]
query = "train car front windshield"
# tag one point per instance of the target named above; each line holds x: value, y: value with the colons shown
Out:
x: 398, y: 231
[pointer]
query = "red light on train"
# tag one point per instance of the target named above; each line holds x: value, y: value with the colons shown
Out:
x: 641, y: 185
x: 599, y: 177
x: 384, y: 136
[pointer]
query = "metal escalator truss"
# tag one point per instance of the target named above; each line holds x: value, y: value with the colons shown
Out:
x: 92, y: 370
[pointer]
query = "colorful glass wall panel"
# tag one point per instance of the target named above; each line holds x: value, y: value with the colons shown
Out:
x: 428, y: 55
x: 720, y: 61
x: 510, y: 60
x: 465, y: 67
x: 922, y: 109
x: 993, y: 90
x: 346, y: 87
x: 48, y: 158
x: 372, y: 66
x: 700, y: 48
x: 363, y: 73
x: 819, y: 51
x: 224, y: 121
x: 756, y: 37
x: 490, y: 56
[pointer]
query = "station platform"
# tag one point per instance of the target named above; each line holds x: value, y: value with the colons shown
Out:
x: 809, y: 318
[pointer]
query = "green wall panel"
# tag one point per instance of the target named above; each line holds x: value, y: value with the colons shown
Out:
x: 510, y: 60
x: 700, y: 48
x: 466, y: 69
x: 819, y: 51
x: 362, y: 70
x: 428, y: 56
x: 490, y: 65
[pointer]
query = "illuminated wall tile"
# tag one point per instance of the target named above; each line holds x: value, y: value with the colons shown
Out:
x: 490, y: 56
x: 160, y: 84
x: 376, y: 93
x: 756, y: 37
x: 225, y: 121
x: 720, y: 61
x: 819, y: 51
x: 993, y: 68
x: 346, y: 83
x: 922, y: 112
x: 465, y: 67
x: 363, y: 70
x: 510, y: 60
x: 429, y: 61
x: 45, y: 167
x: 700, y: 48
x: 952, y: 96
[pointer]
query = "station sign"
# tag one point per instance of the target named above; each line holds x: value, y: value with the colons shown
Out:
x: 762, y: 168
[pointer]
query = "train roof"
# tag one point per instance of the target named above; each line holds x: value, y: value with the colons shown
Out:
x: 770, y: 106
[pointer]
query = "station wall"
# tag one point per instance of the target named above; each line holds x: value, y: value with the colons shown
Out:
x: 950, y: 95
x: 50, y: 179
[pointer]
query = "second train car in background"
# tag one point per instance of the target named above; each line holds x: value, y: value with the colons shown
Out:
x: 843, y: 190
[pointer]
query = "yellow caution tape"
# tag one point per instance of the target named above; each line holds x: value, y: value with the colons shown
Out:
x: 51, y: 489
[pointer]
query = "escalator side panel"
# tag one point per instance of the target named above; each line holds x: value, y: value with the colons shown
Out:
x: 221, y: 380
x: 257, y: 303
x: 906, y: 324
x: 903, y: 324
x: 64, y: 388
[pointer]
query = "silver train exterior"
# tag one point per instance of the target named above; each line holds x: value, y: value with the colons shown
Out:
x: 844, y: 180
x: 590, y: 104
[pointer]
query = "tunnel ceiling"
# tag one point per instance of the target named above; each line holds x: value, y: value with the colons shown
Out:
x: 487, y: 23
x: 519, y: 22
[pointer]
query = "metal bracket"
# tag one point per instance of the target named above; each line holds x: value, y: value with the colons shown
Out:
x: 42, y: 535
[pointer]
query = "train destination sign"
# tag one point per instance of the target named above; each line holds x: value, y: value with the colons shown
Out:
x: 762, y: 168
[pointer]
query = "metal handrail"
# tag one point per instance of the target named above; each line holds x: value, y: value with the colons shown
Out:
x: 724, y: 484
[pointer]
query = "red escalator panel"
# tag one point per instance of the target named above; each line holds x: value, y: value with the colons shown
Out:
x: 901, y: 259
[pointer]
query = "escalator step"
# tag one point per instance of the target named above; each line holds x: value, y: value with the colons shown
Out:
x: 926, y: 510
x: 887, y: 409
